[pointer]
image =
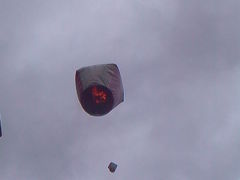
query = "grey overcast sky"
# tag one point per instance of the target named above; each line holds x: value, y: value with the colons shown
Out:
x: 180, y: 65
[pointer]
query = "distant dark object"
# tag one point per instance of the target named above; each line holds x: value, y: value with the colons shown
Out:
x: 112, y: 167
x: 99, y: 88
x: 0, y: 127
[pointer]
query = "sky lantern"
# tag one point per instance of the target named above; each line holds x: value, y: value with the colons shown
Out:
x: 99, y: 88
x: 112, y: 167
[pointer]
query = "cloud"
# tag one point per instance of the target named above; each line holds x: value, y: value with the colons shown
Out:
x: 180, y: 67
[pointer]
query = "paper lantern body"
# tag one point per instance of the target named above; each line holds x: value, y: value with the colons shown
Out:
x: 99, y: 88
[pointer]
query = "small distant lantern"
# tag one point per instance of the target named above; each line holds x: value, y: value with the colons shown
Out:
x: 112, y: 167
x: 99, y: 88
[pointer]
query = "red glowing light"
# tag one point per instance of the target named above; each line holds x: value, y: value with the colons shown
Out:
x: 99, y: 96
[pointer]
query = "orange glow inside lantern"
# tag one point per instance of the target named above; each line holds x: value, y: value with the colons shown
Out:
x: 99, y: 96
x: 97, y: 100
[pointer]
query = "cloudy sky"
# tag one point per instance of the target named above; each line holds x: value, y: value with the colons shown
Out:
x: 180, y: 65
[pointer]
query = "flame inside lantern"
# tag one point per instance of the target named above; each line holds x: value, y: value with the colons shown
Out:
x: 99, y: 96
x: 97, y: 100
